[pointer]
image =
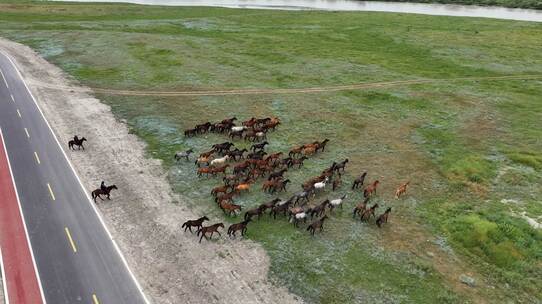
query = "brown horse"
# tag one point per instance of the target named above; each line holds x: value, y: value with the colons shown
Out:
x: 269, y: 205
x: 281, y: 208
x: 239, y: 226
x: 229, y: 208
x: 401, y: 190
x: 360, y: 208
x: 220, y: 189
x: 194, y: 223
x: 337, y: 182
x: 99, y: 192
x: 318, y: 224
x: 366, y: 215
x: 383, y: 218
x: 322, y: 145
x: 209, y: 229
x: 78, y: 143
x: 371, y: 189
x: 221, y: 169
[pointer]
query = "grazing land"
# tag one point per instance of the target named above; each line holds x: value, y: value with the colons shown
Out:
x: 471, y: 149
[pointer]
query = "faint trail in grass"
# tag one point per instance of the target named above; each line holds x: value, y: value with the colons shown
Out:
x: 350, y: 87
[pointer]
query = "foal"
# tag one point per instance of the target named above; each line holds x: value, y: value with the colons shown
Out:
x: 194, y: 223
x: 209, y: 229
x: 318, y: 224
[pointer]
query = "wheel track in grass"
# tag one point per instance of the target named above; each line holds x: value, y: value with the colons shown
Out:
x: 323, y: 89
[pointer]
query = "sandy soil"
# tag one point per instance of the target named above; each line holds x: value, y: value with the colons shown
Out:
x: 170, y: 265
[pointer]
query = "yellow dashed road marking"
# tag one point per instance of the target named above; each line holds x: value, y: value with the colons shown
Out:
x: 70, y: 239
x: 37, y: 157
x: 51, y: 192
x: 95, y: 299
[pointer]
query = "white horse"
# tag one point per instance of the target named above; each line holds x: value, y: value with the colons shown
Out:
x: 337, y: 202
x: 238, y: 128
x: 219, y: 161
x: 321, y: 185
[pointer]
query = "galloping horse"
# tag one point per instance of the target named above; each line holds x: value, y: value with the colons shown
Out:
x: 318, y: 224
x: 99, y: 192
x: 76, y: 142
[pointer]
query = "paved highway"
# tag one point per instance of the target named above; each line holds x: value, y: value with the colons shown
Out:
x: 76, y: 258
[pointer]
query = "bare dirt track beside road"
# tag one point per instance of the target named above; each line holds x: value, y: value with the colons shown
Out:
x: 170, y: 265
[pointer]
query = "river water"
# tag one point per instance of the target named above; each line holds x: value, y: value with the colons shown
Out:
x: 352, y: 5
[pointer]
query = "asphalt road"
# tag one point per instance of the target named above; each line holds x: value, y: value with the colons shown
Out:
x: 76, y: 258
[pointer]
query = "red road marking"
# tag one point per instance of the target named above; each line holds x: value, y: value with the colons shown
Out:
x: 21, y: 277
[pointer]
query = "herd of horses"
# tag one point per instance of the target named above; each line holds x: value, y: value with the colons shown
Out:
x: 256, y: 163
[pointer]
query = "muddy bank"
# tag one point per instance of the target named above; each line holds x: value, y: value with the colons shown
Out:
x: 145, y: 215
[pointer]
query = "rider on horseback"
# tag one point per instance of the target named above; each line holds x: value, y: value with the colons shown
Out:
x: 75, y: 138
x: 103, y: 186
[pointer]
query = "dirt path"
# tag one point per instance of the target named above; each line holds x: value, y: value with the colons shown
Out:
x: 350, y: 87
x: 170, y: 265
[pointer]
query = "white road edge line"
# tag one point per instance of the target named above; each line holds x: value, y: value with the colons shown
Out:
x: 5, y: 81
x: 6, y: 297
x: 80, y: 183
x: 24, y: 222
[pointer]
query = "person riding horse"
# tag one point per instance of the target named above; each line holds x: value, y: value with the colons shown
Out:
x: 103, y: 186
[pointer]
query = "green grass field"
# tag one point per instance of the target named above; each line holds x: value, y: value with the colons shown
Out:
x: 471, y: 149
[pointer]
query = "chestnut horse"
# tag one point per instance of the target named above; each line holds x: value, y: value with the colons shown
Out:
x: 401, y: 190
x: 371, y: 189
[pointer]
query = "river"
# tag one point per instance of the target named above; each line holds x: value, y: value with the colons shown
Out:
x: 352, y: 5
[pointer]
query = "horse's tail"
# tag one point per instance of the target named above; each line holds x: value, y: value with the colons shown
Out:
x: 94, y: 195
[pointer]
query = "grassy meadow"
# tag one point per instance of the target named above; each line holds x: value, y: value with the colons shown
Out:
x: 471, y: 149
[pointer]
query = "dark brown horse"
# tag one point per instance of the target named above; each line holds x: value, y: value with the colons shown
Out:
x: 194, y: 223
x: 318, y: 210
x: 99, y: 192
x: 254, y: 212
x: 239, y: 226
x: 383, y: 218
x: 318, y: 224
x: 269, y: 205
x: 209, y: 229
x: 366, y: 215
x: 79, y: 143
x: 359, y: 181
